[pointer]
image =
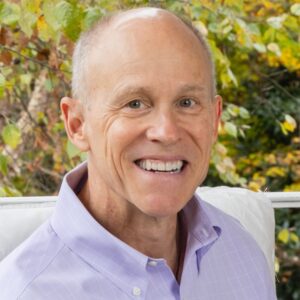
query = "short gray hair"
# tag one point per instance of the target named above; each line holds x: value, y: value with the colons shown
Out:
x: 87, y: 40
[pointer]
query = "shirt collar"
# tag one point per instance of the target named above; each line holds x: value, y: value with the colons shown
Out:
x: 203, y: 230
x: 107, y: 254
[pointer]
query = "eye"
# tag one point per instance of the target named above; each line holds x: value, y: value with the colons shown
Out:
x: 135, y: 104
x: 187, y: 102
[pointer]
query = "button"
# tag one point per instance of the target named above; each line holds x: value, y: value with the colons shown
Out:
x: 136, y: 291
x: 152, y: 263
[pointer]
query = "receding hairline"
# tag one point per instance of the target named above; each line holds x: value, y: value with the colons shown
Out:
x: 92, y: 37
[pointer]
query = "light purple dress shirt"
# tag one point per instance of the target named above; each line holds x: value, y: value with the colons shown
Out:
x: 72, y: 257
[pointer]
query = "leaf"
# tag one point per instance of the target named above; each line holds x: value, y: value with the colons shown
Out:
x: 2, y: 85
x: 244, y: 113
x: 92, y: 14
x: 233, y: 110
x: 276, y: 172
x: 231, y: 129
x: 63, y: 11
x: 283, y: 236
x: 11, y: 135
x: 3, y: 164
x: 9, y: 13
x: 48, y: 8
x: 294, y: 237
x: 276, y: 22
x: 273, y: 47
x: 232, y: 77
x: 27, y: 21
x: 261, y: 48
x: 9, y: 192
x: 295, y: 9
x: 66, y: 13
x: 45, y: 31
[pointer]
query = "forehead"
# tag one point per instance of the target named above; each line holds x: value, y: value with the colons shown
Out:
x: 147, y: 42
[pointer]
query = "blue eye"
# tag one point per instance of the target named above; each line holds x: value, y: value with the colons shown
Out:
x: 135, y: 104
x: 186, y: 102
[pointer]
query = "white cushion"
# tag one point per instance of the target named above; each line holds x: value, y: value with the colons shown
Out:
x: 21, y: 215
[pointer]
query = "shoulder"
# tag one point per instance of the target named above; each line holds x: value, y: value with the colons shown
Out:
x: 238, y: 248
x: 21, y: 267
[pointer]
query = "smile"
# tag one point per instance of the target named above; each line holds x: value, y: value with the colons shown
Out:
x: 161, y: 166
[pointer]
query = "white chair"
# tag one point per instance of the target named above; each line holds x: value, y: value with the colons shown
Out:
x: 20, y: 216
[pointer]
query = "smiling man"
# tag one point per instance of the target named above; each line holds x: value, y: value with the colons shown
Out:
x: 127, y: 224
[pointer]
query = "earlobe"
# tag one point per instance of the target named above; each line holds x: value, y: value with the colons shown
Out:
x: 72, y: 113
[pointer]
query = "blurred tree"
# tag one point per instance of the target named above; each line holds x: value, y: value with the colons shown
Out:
x: 257, y: 55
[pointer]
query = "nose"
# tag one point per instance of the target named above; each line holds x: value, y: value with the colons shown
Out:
x: 164, y: 129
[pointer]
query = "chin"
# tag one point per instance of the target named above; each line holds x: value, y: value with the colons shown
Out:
x: 161, y: 207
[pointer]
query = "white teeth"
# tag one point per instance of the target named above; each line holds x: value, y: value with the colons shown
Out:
x: 161, y: 166
x: 148, y: 165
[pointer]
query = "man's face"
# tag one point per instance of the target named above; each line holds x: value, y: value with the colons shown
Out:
x: 151, y: 121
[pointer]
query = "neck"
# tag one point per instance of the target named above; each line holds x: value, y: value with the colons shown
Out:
x: 152, y: 236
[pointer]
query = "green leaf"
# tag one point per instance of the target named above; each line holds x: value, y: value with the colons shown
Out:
x: 231, y: 129
x: 232, y: 77
x: 9, y: 192
x: 233, y: 110
x: 261, y: 48
x: 11, y: 135
x: 27, y: 21
x: 295, y: 9
x: 92, y: 14
x: 2, y: 85
x: 9, y: 13
x: 25, y: 79
x: 244, y: 113
x: 3, y: 164
x: 276, y: 22
x: 48, y: 8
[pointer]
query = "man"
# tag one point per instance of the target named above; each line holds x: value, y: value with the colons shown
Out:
x: 127, y: 225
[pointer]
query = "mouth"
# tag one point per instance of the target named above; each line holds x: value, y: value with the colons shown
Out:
x: 160, y: 166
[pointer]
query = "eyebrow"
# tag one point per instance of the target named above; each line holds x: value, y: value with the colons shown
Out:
x: 191, y: 88
x: 130, y: 90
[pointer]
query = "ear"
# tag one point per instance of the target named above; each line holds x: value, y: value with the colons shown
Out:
x: 218, y: 108
x: 72, y: 113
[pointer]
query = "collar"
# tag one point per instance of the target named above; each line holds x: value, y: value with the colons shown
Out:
x: 107, y: 254
x: 203, y: 230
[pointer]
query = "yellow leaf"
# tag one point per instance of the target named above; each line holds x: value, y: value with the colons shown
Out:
x: 276, y: 172
x: 43, y: 29
x: 283, y: 236
x: 289, y: 123
x: 294, y: 237
x: 254, y: 186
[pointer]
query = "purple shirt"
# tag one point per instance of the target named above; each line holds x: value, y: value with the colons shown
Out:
x: 72, y: 257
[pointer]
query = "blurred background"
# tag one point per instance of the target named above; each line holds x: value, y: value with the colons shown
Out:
x: 256, y: 47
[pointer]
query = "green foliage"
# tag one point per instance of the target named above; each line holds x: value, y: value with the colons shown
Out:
x: 257, y: 56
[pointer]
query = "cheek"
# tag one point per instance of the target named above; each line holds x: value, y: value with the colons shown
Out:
x: 202, y: 132
x: 119, y: 134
